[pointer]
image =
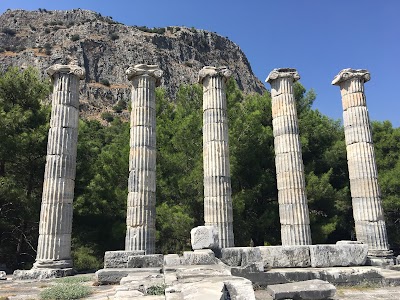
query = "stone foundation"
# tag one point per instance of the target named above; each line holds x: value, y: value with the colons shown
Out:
x: 41, y: 274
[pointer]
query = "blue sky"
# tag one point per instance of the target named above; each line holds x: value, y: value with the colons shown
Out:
x: 317, y: 37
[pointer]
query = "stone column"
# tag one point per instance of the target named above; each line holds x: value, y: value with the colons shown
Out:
x: 141, y: 210
x: 293, y: 208
x: 54, y: 245
x: 364, y: 187
x: 217, y: 177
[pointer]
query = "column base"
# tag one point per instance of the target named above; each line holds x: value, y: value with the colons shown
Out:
x: 40, y: 274
x: 380, y: 258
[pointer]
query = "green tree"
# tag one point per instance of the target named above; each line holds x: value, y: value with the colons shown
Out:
x: 23, y: 138
x: 101, y: 187
x: 387, y: 150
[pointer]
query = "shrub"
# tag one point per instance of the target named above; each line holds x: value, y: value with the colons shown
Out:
x: 47, y: 30
x: 85, y: 260
x: 60, y: 23
x: 45, y: 24
x: 9, y: 31
x: 65, y: 291
x: 156, y: 290
x: 105, y: 82
x: 53, y: 23
x: 118, y: 109
x: 75, y: 37
x: 48, y: 52
x: 120, y: 106
x: 47, y: 46
x: 151, y: 30
x: 114, y: 36
x: 70, y: 24
x: 32, y: 27
x: 55, y: 28
x: 107, y: 116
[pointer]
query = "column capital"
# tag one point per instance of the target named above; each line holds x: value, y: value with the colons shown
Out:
x: 282, y: 73
x: 66, y: 69
x: 142, y: 69
x: 348, y: 74
x: 211, y: 71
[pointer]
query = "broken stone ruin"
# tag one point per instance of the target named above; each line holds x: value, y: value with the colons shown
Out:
x: 216, y: 269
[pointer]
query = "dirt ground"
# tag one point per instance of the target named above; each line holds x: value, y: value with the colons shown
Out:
x: 29, y: 290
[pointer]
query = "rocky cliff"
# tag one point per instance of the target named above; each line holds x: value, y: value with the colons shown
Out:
x: 106, y: 48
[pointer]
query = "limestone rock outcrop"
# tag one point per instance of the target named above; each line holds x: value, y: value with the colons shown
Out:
x: 106, y: 48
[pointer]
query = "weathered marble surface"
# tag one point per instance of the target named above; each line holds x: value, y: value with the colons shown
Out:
x: 145, y: 261
x: 141, y: 204
x: 366, y: 196
x: 119, y: 259
x: 204, y: 237
x: 338, y: 255
x: 199, y: 257
x: 293, y: 208
x: 309, y: 289
x: 286, y: 256
x: 55, y: 226
x: 217, y: 179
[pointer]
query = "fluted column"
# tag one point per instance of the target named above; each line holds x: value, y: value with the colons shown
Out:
x: 217, y: 177
x: 141, y: 204
x: 54, y: 245
x: 364, y: 187
x: 293, y: 208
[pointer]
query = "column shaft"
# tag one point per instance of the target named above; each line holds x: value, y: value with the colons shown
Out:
x: 217, y: 178
x: 366, y: 197
x: 293, y: 208
x: 141, y: 204
x: 55, y: 226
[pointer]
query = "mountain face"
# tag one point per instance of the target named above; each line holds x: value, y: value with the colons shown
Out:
x: 106, y: 48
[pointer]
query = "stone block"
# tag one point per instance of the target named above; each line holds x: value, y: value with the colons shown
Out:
x: 255, y: 267
x: 40, y: 274
x: 199, y: 257
x: 240, y: 256
x: 338, y: 255
x: 309, y: 289
x: 232, y: 256
x: 204, y: 237
x: 250, y: 255
x: 114, y: 276
x: 240, y: 289
x: 3, y: 275
x: 172, y: 260
x: 126, y: 295
x: 119, y: 259
x: 145, y: 261
x: 285, y: 256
